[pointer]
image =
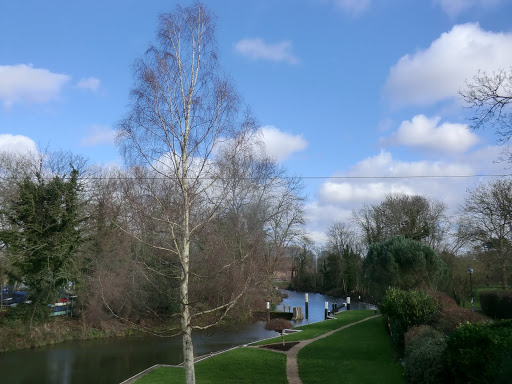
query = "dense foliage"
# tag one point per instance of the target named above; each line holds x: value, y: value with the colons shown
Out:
x: 480, y: 353
x: 402, y: 263
x: 405, y: 309
x: 423, y: 358
x: 42, y: 235
x: 497, y: 304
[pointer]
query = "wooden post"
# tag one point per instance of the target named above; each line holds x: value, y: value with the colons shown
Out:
x: 326, y: 309
x: 307, y: 308
x: 268, y: 311
x: 348, y: 303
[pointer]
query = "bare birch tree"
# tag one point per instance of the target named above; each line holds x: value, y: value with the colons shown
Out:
x: 182, y: 109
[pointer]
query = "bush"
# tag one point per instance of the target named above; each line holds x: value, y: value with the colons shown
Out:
x: 424, y: 362
x: 451, y: 315
x: 405, y: 309
x: 497, y: 304
x: 479, y: 353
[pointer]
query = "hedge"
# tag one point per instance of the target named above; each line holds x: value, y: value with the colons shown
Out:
x: 497, y: 304
x: 480, y: 353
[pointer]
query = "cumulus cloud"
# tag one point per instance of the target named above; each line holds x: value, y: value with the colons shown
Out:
x: 17, y: 144
x: 371, y: 179
x: 344, y: 192
x: 28, y: 85
x: 97, y: 135
x: 424, y: 133
x: 354, y: 7
x: 280, y: 145
x: 257, y: 49
x: 455, y: 7
x: 90, y: 83
x: 440, y: 71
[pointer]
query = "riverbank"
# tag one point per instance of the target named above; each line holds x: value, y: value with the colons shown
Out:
x: 18, y: 335
x: 354, y: 348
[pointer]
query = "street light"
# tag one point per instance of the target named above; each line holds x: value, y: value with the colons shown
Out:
x: 470, y: 271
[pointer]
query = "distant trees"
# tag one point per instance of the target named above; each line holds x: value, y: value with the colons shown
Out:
x: 486, y: 223
x: 413, y: 217
x: 303, y: 265
x: 342, y: 266
x: 490, y: 97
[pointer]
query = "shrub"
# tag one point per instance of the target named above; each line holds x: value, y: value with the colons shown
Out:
x: 424, y: 362
x: 405, y: 309
x: 451, y: 315
x: 279, y: 325
x: 479, y: 353
x: 497, y: 304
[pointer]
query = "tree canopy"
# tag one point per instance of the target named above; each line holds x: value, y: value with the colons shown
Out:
x: 401, y: 263
x: 42, y: 234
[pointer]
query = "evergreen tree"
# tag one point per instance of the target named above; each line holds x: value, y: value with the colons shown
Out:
x: 42, y: 234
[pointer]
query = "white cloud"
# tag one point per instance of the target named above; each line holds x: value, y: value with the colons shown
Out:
x: 257, y: 49
x: 90, y: 83
x: 338, y: 197
x: 424, y: 133
x: 374, y: 177
x: 455, y: 7
x: 440, y: 71
x: 280, y: 145
x: 28, y: 85
x: 97, y: 135
x: 17, y: 144
x: 335, y: 192
x: 354, y: 7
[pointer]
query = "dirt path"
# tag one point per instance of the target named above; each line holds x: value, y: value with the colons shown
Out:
x: 292, y: 368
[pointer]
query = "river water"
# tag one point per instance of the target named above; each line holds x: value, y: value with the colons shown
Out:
x: 113, y: 360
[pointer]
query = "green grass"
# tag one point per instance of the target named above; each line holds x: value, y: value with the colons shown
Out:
x: 242, y: 365
x: 359, y: 354
x: 311, y: 331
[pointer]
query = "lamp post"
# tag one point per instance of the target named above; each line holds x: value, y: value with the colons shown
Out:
x: 470, y: 271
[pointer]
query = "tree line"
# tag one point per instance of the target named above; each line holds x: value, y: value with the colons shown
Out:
x: 410, y: 242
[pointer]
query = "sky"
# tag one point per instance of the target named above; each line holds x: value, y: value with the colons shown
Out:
x: 360, y: 98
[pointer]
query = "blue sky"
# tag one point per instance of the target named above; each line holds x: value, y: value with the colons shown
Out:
x: 340, y: 87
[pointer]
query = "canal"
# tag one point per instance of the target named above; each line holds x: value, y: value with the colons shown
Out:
x: 113, y: 360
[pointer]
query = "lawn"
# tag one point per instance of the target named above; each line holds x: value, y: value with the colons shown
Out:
x: 242, y: 365
x: 337, y: 357
x: 359, y: 354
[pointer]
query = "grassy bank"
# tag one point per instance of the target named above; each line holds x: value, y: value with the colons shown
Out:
x: 241, y: 365
x: 345, y: 355
x: 16, y: 335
